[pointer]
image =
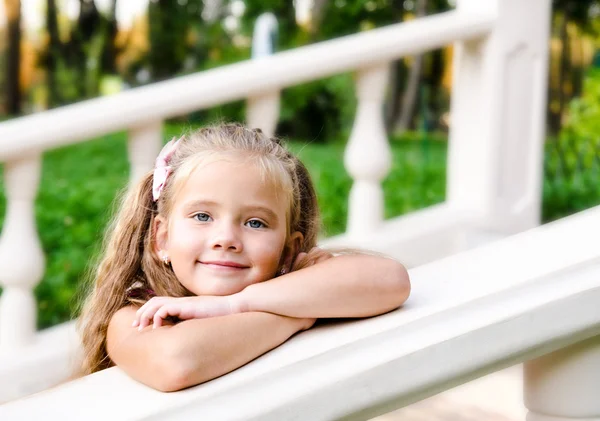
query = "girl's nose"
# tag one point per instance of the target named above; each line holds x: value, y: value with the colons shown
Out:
x: 226, y: 238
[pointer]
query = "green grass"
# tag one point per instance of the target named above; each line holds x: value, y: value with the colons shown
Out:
x: 79, y: 184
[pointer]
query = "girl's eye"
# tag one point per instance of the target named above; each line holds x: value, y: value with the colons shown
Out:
x: 255, y: 223
x: 202, y: 217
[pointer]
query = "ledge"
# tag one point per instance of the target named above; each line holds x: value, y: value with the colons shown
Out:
x: 469, y: 314
x: 155, y: 102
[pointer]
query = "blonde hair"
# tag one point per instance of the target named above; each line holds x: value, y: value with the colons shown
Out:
x: 129, y: 263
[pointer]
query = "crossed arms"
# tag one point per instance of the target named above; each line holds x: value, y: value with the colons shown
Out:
x: 219, y: 334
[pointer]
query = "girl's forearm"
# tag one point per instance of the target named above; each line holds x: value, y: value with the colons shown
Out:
x: 174, y: 357
x: 344, y: 286
x: 209, y: 348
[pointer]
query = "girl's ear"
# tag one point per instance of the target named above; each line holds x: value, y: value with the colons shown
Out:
x: 292, y: 248
x: 161, y: 234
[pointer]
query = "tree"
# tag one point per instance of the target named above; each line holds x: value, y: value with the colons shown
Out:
x: 108, y: 63
x: 53, y: 52
x: 566, y: 13
x: 13, y: 62
x: 90, y: 39
x: 170, y: 23
x: 409, y: 98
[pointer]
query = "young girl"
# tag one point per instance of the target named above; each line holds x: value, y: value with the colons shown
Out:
x: 212, y: 262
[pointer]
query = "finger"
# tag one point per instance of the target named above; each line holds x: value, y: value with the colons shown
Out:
x: 159, y: 316
x: 148, y: 315
x: 142, y: 310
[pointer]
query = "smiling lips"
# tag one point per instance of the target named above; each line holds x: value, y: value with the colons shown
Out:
x: 224, y: 265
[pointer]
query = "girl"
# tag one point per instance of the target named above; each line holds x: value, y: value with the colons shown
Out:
x: 211, y: 262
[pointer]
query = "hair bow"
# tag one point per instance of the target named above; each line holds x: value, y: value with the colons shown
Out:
x: 162, y: 169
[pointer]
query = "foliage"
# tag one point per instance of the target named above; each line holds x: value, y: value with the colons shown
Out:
x: 79, y: 184
x: 573, y: 158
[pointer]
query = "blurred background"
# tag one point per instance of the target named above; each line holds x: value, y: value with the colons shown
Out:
x: 58, y: 52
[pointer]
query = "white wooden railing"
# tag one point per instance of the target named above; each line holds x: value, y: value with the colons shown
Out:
x: 493, y: 190
x: 529, y: 295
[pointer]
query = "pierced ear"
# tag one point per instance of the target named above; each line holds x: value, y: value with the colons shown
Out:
x: 161, y: 235
x: 292, y: 248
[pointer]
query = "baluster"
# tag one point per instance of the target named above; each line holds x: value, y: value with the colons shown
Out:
x: 263, y: 112
x: 496, y: 143
x: 144, y: 145
x: 368, y: 155
x: 565, y: 385
x: 22, y: 260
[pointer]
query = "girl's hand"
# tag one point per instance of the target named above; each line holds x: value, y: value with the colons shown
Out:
x: 156, y: 310
x: 314, y: 256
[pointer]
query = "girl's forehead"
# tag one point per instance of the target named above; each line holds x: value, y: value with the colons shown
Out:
x: 232, y: 181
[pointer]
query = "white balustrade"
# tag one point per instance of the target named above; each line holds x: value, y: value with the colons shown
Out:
x: 368, y: 156
x: 494, y: 180
x: 159, y: 101
x: 144, y: 144
x: 496, y: 140
x: 565, y: 385
x: 263, y: 112
x: 22, y: 260
x: 468, y: 315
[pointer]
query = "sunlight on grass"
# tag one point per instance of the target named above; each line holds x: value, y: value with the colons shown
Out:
x: 79, y: 184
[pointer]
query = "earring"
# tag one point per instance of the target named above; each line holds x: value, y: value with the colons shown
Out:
x: 282, y: 271
x: 165, y: 259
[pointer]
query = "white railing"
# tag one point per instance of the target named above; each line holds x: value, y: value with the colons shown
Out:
x: 499, y: 69
x: 511, y: 301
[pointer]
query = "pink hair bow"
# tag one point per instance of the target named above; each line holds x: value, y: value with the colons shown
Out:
x: 162, y: 169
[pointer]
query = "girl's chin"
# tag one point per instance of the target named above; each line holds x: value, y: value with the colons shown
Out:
x: 218, y: 287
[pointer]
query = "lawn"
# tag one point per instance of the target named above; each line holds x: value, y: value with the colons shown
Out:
x: 79, y: 184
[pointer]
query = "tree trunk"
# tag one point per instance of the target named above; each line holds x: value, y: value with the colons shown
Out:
x: 318, y: 10
x: 434, y: 99
x: 54, y: 47
x: 13, y: 62
x: 412, y: 86
x: 109, y: 54
x: 397, y: 76
x: 556, y: 117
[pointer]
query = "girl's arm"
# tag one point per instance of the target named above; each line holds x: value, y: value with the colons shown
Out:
x: 345, y: 286
x: 357, y: 285
x: 173, y: 357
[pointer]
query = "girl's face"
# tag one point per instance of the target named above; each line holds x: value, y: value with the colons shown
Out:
x: 227, y: 229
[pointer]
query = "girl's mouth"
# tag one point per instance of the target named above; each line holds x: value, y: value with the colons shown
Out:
x: 224, y: 265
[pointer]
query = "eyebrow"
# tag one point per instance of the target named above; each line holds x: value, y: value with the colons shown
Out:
x: 270, y: 214
x: 253, y: 208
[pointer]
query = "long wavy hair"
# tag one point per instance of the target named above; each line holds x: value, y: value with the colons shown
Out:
x: 130, y: 271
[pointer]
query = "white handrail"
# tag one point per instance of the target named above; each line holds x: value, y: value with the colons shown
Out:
x: 185, y: 94
x: 468, y: 315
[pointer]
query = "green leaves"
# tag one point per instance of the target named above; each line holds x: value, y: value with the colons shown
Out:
x: 80, y: 182
x: 572, y: 165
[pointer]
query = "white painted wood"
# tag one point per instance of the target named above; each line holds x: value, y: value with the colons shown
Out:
x: 22, y: 260
x: 144, y: 144
x: 264, y: 36
x: 368, y: 157
x: 565, y: 385
x: 156, y: 102
x: 52, y: 357
x: 419, y: 237
x: 263, y: 112
x: 497, y: 120
x: 468, y: 315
